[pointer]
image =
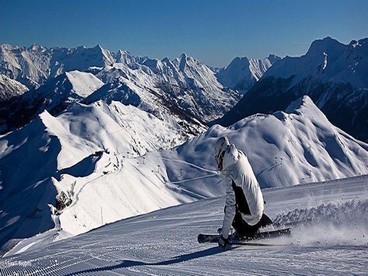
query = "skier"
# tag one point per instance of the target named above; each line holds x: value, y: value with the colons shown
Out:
x: 244, y: 200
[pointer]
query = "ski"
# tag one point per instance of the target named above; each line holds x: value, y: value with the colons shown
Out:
x: 204, y: 238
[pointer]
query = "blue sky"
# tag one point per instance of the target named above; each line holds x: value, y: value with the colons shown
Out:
x: 212, y: 31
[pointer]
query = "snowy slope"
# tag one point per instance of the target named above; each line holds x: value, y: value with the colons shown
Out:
x: 55, y: 95
x: 52, y: 158
x: 188, y: 173
x: 83, y: 83
x: 183, y: 85
x: 333, y: 242
x: 67, y: 88
x: 284, y: 148
x: 34, y: 65
x: 10, y: 88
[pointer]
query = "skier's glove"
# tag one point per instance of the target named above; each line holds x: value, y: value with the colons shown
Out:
x: 222, y: 242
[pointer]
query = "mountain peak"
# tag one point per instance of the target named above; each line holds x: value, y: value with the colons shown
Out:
x: 183, y: 56
x: 273, y: 58
x: 304, y: 102
x: 359, y: 43
x: 99, y: 47
x: 124, y: 57
x: 239, y: 61
x: 325, y: 45
x: 36, y: 47
x: 242, y: 72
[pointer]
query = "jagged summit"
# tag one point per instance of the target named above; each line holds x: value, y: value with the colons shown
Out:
x: 10, y: 88
x: 325, y: 45
x: 329, y: 61
x: 37, y: 47
x: 242, y: 73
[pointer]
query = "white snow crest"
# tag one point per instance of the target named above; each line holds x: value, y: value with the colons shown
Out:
x: 83, y: 83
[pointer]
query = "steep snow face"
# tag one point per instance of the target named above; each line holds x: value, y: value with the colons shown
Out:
x: 284, y: 148
x: 242, y: 73
x: 53, y: 159
x: 83, y: 83
x: 56, y: 94
x: 235, y: 72
x: 10, y: 88
x: 34, y: 65
x: 28, y: 66
x: 329, y: 61
x: 184, y: 86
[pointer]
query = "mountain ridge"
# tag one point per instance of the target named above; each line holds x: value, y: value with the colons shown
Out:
x: 331, y: 73
x: 242, y: 73
x: 183, y: 87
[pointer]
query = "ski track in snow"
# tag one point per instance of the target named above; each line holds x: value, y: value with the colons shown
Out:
x: 330, y: 237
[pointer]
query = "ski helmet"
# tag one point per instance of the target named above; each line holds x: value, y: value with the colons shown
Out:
x: 221, y: 145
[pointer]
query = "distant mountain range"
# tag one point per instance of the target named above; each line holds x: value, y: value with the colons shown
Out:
x: 183, y: 87
x: 334, y: 75
x: 242, y: 73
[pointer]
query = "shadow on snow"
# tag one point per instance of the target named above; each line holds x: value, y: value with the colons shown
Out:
x: 178, y: 259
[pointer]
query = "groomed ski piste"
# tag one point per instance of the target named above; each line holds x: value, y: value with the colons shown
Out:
x: 330, y: 237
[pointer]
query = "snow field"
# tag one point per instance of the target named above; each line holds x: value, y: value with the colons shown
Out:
x: 164, y: 242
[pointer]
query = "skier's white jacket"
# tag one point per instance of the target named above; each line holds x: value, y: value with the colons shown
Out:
x: 236, y: 169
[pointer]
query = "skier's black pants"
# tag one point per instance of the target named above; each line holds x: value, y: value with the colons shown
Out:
x: 244, y: 229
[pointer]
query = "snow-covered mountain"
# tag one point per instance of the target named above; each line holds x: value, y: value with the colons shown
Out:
x: 328, y: 61
x: 331, y: 73
x: 93, y: 175
x: 55, y: 96
x: 34, y: 65
x: 182, y: 88
x: 54, y: 158
x: 299, y: 145
x: 242, y: 73
x: 10, y: 88
x: 183, y: 85
x: 67, y: 88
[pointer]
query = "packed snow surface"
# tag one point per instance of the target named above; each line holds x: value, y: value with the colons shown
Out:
x: 329, y: 236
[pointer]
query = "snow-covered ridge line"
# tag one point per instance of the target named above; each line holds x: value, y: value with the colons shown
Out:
x: 242, y: 73
x: 182, y: 90
x: 331, y: 73
x: 330, y: 61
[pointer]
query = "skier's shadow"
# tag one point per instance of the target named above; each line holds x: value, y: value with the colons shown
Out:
x: 177, y: 259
